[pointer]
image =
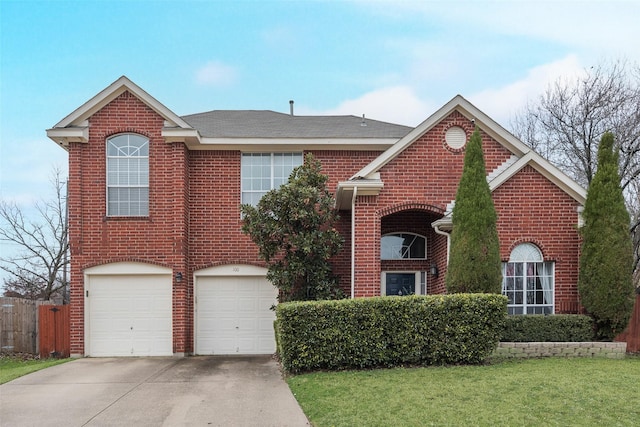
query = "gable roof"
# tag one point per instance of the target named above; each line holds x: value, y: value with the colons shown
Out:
x: 74, y: 127
x: 244, y: 129
x: 522, y: 155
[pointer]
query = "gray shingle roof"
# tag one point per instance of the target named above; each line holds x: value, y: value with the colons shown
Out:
x: 271, y: 124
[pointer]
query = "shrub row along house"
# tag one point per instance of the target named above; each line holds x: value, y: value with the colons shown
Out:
x: 159, y: 265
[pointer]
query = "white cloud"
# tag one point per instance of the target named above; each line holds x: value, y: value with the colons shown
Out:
x: 215, y: 73
x: 501, y: 103
x: 395, y: 104
x: 602, y: 28
x: 401, y: 104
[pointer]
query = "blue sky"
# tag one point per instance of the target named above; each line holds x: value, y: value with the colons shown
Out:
x: 396, y: 61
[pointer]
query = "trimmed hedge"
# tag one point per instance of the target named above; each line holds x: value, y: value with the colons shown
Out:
x: 389, y: 331
x: 553, y: 328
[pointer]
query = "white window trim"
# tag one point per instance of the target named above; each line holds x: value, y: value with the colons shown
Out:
x: 272, y: 179
x: 420, y: 281
x: 516, y: 258
x: 404, y: 259
x: 108, y: 186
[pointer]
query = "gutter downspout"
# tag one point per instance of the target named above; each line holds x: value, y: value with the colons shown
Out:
x: 448, y: 235
x: 353, y: 241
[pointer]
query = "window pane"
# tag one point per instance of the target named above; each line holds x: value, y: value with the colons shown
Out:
x: 528, y: 281
x: 262, y: 172
x: 128, y: 175
x: 531, y: 283
x: 400, y: 284
x: 402, y: 246
x: 515, y: 310
x: 519, y: 269
x: 391, y: 247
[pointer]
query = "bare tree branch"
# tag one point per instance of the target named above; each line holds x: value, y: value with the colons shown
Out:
x: 566, y: 123
x: 38, y: 268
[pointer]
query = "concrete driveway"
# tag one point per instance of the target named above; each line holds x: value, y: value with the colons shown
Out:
x: 191, y: 391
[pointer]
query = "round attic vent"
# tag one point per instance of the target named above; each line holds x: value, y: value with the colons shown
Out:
x: 455, y: 137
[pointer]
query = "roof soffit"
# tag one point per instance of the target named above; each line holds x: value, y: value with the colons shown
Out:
x: 525, y: 154
x: 464, y: 107
x: 117, y: 88
x: 546, y: 169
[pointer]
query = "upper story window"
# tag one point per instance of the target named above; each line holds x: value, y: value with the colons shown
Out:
x: 262, y: 172
x: 128, y: 175
x: 528, y: 281
x: 403, y: 246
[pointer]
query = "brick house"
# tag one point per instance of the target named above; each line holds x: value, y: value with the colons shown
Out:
x: 159, y: 265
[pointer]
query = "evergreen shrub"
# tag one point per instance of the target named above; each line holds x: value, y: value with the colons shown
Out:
x: 605, y: 282
x: 474, y: 263
x: 389, y: 331
x: 555, y: 328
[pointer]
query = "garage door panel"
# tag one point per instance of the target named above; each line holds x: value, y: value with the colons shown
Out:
x: 234, y: 316
x: 130, y: 315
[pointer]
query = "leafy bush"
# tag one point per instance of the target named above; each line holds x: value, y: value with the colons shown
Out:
x: 389, y: 331
x: 556, y: 328
x: 293, y: 227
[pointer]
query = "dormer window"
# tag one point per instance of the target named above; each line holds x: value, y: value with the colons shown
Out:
x: 128, y: 175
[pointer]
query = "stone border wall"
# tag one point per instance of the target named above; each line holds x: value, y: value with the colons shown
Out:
x: 612, y: 350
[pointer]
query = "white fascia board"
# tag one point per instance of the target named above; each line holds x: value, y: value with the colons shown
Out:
x: 546, y: 169
x: 175, y: 134
x: 64, y: 136
x: 465, y: 108
x: 293, y: 144
x: 406, y: 141
x: 445, y: 223
x: 509, y: 172
x: 111, y: 92
x: 491, y: 127
x: 344, y: 193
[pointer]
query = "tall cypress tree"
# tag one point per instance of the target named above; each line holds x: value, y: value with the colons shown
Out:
x: 605, y: 283
x: 474, y: 261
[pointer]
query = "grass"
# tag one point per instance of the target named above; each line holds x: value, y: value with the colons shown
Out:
x: 12, y: 367
x: 534, y: 392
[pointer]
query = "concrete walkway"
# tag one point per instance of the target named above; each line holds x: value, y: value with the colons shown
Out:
x: 191, y: 391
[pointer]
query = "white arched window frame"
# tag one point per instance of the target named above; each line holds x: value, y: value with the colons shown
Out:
x: 528, y: 281
x: 403, y: 246
x: 128, y: 175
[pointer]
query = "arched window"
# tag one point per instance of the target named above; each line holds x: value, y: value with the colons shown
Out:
x: 528, y: 281
x: 403, y: 246
x: 128, y: 175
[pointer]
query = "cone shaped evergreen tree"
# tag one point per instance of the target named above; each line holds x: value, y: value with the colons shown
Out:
x: 605, y: 283
x: 474, y: 261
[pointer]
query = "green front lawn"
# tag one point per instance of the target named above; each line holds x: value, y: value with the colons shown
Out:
x: 14, y: 367
x: 535, y: 392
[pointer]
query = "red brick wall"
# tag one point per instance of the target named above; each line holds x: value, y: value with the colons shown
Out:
x: 424, y: 175
x: 532, y: 209
x: 194, y: 219
x: 160, y: 238
x: 341, y: 165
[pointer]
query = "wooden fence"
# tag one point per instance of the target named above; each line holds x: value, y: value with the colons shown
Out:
x: 54, y: 331
x: 632, y: 334
x: 19, y: 325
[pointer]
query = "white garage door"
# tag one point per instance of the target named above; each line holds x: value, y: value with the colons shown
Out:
x: 234, y: 316
x: 129, y: 315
